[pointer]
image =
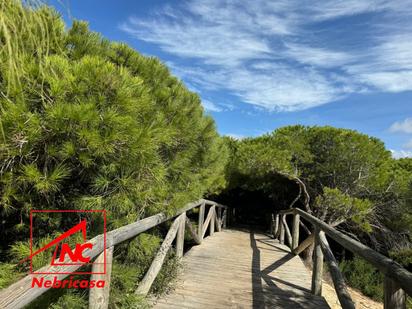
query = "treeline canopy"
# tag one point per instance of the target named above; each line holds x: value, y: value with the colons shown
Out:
x: 346, y: 178
x: 87, y: 123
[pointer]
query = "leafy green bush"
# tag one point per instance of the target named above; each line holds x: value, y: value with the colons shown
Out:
x: 363, y: 276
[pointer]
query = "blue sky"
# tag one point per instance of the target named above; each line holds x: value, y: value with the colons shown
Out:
x: 259, y: 65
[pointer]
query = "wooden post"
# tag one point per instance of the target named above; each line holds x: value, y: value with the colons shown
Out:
x: 338, y: 281
x: 295, y: 231
x: 395, y: 297
x: 317, y: 271
x: 180, y: 237
x: 281, y: 233
x: 208, y: 220
x: 287, y: 231
x: 201, y: 220
x: 99, y: 297
x: 224, y: 218
x: 219, y: 219
x: 144, y: 286
x: 276, y: 228
x: 272, y: 224
x: 212, y: 221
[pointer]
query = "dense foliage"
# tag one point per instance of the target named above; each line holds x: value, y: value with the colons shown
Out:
x: 345, y: 178
x: 86, y: 123
x: 90, y: 124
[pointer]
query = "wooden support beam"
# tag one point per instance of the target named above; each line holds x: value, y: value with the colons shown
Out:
x: 193, y: 231
x: 272, y: 224
x: 295, y: 231
x: 99, y: 297
x: 207, y: 221
x: 338, y: 281
x: 201, y: 221
x: 218, y: 219
x: 276, y: 227
x: 386, y: 265
x: 317, y: 271
x: 395, y: 297
x: 212, y: 221
x: 144, y: 285
x: 180, y: 237
x: 286, y: 228
x: 304, y: 244
x: 224, y: 218
x: 281, y: 233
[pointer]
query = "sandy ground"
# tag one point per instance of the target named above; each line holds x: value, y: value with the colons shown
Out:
x: 362, y: 302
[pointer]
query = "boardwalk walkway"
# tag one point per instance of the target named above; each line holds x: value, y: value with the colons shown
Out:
x: 241, y: 269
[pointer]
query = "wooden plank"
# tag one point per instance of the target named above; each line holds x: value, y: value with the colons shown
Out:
x: 99, y: 297
x: 265, y: 275
x: 395, y: 297
x: 317, y: 271
x: 338, y: 280
x: 201, y: 221
x: 180, y: 237
x: 147, y: 281
x: 295, y: 231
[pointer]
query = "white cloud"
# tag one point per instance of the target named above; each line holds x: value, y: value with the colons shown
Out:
x: 389, y: 81
x: 329, y: 9
x: 210, y: 106
x: 408, y: 145
x: 397, y: 154
x: 273, y: 87
x: 404, y: 126
x: 317, y: 56
x: 263, y: 52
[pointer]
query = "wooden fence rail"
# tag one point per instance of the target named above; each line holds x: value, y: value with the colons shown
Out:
x: 397, y: 279
x: 21, y: 293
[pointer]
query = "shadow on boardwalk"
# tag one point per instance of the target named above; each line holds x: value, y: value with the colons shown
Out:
x: 263, y: 296
x: 242, y: 269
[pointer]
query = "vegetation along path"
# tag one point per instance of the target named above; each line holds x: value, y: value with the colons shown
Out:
x: 242, y: 269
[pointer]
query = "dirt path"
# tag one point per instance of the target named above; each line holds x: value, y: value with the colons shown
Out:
x: 362, y: 302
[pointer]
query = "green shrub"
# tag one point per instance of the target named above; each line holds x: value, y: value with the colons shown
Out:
x: 364, y: 277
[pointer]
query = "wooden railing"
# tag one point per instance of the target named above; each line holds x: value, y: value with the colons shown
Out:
x: 21, y: 293
x: 397, y: 279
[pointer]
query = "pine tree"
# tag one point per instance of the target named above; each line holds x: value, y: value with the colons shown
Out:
x: 86, y: 123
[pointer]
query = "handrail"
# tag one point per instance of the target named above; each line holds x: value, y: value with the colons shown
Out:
x: 397, y: 279
x: 20, y: 293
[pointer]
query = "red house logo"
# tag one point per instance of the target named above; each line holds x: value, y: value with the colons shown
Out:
x: 63, y: 253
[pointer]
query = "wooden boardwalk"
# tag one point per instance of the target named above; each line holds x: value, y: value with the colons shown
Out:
x: 241, y: 269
